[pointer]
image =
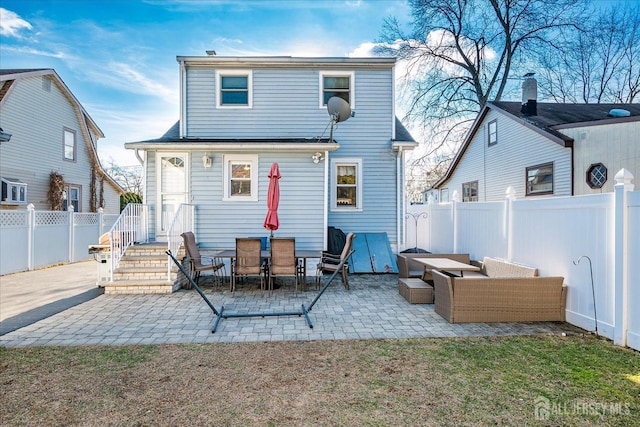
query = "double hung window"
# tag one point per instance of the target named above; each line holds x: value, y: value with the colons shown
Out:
x: 69, y: 144
x: 492, y: 132
x: 347, y: 189
x: 339, y: 84
x: 234, y: 89
x: 241, y: 179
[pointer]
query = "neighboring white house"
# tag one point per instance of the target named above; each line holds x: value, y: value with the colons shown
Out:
x: 550, y: 149
x: 45, y: 130
x: 239, y: 115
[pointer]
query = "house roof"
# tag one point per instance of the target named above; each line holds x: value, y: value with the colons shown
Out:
x: 289, y: 61
x: 20, y: 70
x: 551, y: 118
x: 172, y: 136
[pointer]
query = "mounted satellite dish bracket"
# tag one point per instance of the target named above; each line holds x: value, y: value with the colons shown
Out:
x: 339, y: 111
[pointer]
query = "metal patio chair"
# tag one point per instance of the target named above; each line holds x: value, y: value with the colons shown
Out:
x: 329, y: 262
x: 199, y: 263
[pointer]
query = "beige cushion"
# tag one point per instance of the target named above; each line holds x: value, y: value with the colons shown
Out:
x: 493, y: 267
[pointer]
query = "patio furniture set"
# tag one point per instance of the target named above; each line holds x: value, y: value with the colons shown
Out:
x: 249, y: 258
x: 492, y: 290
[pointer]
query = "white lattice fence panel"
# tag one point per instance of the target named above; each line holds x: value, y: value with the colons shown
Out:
x: 85, y: 219
x: 51, y: 218
x: 14, y: 219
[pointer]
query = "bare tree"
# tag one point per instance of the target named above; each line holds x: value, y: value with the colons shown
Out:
x: 129, y: 177
x: 598, y: 62
x: 460, y: 54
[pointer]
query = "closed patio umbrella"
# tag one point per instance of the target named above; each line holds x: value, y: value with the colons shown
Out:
x: 271, y: 222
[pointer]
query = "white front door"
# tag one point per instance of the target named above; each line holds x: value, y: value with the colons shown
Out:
x: 173, y: 187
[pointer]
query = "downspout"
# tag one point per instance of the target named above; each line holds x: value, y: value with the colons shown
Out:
x: 183, y: 100
x: 400, y: 203
x: 325, y: 232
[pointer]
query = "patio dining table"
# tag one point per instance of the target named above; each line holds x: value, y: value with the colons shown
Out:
x: 446, y: 264
x: 300, y: 254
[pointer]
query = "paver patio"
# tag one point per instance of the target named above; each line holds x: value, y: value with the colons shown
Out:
x: 371, y: 309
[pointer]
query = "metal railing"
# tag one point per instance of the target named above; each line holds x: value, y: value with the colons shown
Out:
x: 182, y: 221
x: 130, y: 227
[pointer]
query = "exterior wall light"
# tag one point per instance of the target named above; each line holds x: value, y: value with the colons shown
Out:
x: 317, y: 157
x: 206, y: 161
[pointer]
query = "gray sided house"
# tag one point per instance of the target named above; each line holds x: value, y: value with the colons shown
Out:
x: 548, y: 150
x: 239, y: 115
x: 45, y: 130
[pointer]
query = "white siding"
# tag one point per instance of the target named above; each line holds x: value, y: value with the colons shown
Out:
x: 504, y: 164
x: 36, y: 119
x: 616, y: 146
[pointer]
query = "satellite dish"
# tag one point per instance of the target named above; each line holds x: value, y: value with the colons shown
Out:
x: 339, y: 111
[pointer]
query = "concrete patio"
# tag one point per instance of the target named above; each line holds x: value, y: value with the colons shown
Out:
x: 371, y: 309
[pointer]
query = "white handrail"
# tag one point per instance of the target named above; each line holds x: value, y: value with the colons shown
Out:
x: 182, y: 221
x: 130, y: 227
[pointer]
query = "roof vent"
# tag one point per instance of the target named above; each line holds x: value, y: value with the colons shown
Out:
x: 619, y: 112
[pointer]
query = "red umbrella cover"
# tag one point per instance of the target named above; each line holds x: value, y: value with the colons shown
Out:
x: 271, y: 221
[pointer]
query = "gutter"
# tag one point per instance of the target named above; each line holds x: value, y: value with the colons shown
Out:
x: 233, y: 147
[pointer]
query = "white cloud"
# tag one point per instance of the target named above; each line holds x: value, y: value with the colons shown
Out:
x: 36, y: 52
x: 11, y: 23
x: 121, y: 76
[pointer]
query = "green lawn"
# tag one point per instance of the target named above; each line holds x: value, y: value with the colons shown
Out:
x: 538, y: 380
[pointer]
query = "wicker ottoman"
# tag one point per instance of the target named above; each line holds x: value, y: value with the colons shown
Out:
x: 415, y: 290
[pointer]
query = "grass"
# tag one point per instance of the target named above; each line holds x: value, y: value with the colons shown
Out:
x: 539, y: 380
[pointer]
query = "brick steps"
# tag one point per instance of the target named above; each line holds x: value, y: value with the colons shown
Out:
x: 143, y: 270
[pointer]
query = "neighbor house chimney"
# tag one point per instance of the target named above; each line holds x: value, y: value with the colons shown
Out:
x: 529, y: 95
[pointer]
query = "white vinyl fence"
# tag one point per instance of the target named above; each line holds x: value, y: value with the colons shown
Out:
x: 561, y: 236
x: 31, y: 239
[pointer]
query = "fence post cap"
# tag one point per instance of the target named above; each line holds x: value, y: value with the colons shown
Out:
x: 510, y: 193
x: 623, y: 176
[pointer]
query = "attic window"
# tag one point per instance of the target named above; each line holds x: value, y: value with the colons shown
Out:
x: 596, y: 175
x: 234, y: 89
x: 14, y: 191
x: 337, y: 83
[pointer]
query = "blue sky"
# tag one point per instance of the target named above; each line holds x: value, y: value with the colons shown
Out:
x: 118, y: 57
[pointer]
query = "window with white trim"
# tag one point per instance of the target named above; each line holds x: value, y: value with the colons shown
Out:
x: 72, y: 197
x: 234, y: 89
x: 346, y: 176
x: 240, y: 178
x: 69, y: 144
x: 14, y: 191
x: 337, y: 83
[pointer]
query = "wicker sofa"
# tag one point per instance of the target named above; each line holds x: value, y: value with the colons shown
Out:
x: 504, y: 292
x: 408, y: 267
